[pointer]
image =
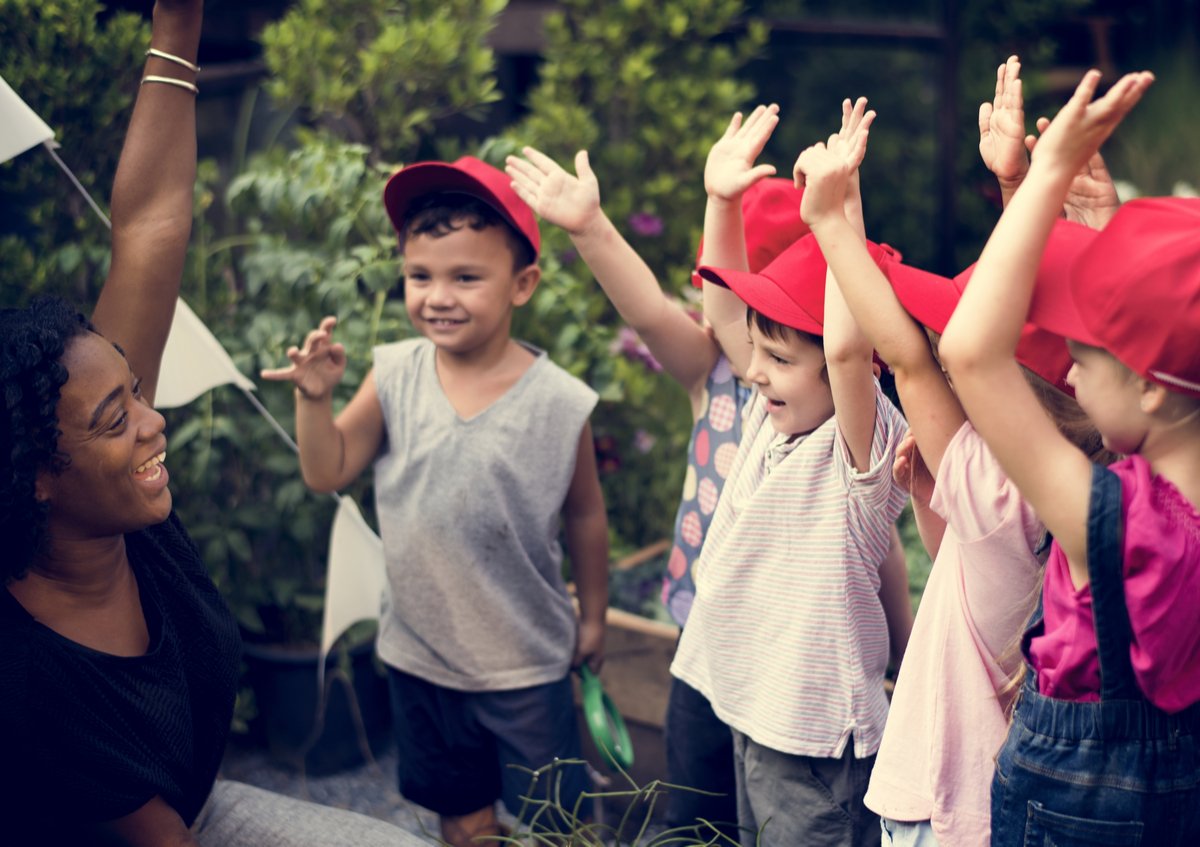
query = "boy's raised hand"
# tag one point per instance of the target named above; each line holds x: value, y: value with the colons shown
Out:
x: 570, y: 202
x: 316, y: 368
x: 825, y: 171
x: 1081, y: 126
x: 1002, y: 128
x: 730, y: 167
x: 1092, y: 198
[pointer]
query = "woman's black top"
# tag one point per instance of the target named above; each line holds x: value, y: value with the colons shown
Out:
x: 88, y: 736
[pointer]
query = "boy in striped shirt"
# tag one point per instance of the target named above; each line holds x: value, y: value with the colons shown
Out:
x: 787, y: 637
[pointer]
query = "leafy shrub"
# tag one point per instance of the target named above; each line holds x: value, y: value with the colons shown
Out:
x: 50, y: 241
x: 383, y: 71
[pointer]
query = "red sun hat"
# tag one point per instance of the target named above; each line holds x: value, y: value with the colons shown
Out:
x: 791, y: 289
x: 1136, y: 292
x: 771, y: 220
x: 931, y: 300
x: 470, y: 176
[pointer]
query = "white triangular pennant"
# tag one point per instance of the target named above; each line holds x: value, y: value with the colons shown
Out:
x: 20, y: 127
x: 193, y: 362
x: 355, y: 581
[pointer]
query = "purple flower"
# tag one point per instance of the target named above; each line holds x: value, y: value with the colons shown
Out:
x: 628, y: 344
x: 644, y: 223
x: 568, y: 256
x: 643, y: 441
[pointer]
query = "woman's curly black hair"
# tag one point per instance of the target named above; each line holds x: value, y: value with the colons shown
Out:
x: 32, y: 343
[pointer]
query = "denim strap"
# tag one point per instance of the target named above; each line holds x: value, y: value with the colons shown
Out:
x: 1106, y: 575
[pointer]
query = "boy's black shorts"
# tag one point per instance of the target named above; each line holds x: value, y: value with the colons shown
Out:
x: 455, y: 748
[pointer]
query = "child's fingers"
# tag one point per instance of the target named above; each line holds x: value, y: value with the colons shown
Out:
x: 858, y: 113
x: 867, y: 119
x: 760, y: 114
x: 277, y: 374
x: 519, y: 168
x: 999, y: 92
x: 327, y: 323
x: 540, y: 160
x: 522, y: 191
x: 1030, y: 142
x: 1012, y: 74
x: 756, y: 134
x: 985, y: 119
x: 1086, y: 90
x: 583, y: 167
x: 734, y: 123
x: 1014, y: 98
x: 760, y: 172
x: 1042, y: 123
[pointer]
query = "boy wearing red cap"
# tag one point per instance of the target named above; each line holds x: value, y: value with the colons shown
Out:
x: 699, y: 746
x: 787, y: 637
x: 479, y: 444
x: 1102, y: 747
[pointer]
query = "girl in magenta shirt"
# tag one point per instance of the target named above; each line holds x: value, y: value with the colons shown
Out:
x: 1103, y: 744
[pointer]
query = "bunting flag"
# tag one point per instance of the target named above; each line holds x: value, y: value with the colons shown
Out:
x: 355, y: 580
x: 22, y: 128
x: 193, y: 362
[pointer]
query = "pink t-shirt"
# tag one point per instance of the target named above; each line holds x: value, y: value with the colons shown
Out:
x: 1162, y: 593
x: 947, y: 722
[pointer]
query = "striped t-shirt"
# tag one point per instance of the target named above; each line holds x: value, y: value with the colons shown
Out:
x: 787, y: 637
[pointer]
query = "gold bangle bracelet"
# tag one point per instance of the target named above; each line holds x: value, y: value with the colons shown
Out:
x: 171, y: 57
x: 168, y: 80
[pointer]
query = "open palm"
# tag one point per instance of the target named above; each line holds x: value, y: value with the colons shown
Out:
x: 567, y: 201
x: 730, y: 167
x: 1002, y: 126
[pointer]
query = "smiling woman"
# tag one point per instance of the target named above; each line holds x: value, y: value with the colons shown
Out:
x: 118, y: 658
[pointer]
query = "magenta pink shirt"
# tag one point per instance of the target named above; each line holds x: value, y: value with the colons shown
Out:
x: 1162, y: 593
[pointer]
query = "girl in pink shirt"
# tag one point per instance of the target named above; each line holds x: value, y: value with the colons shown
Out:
x: 1104, y: 738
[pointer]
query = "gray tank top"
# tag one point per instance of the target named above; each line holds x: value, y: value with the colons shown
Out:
x: 469, y: 511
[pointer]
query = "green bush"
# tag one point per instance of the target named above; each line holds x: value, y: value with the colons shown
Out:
x: 647, y: 87
x: 310, y: 238
x: 381, y: 72
x: 50, y: 240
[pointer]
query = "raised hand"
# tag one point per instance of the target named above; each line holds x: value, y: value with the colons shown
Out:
x: 851, y: 139
x: 1092, y: 198
x: 1083, y: 124
x: 826, y: 170
x: 570, y: 202
x: 316, y: 368
x: 1002, y: 128
x: 730, y: 167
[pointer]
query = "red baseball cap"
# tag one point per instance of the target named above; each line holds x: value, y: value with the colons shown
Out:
x: 771, y: 220
x: 1136, y: 292
x: 470, y: 176
x: 931, y: 299
x: 791, y: 289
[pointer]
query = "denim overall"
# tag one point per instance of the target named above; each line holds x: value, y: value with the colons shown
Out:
x: 1117, y: 772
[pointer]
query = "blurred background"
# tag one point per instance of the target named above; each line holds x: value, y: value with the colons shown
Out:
x: 306, y: 106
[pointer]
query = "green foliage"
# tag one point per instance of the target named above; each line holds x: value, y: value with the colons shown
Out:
x: 900, y: 175
x: 1140, y: 152
x: 647, y: 87
x: 305, y: 236
x: 383, y: 71
x: 50, y: 241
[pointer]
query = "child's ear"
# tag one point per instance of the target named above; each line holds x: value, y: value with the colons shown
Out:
x: 527, y: 280
x: 1154, y: 397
